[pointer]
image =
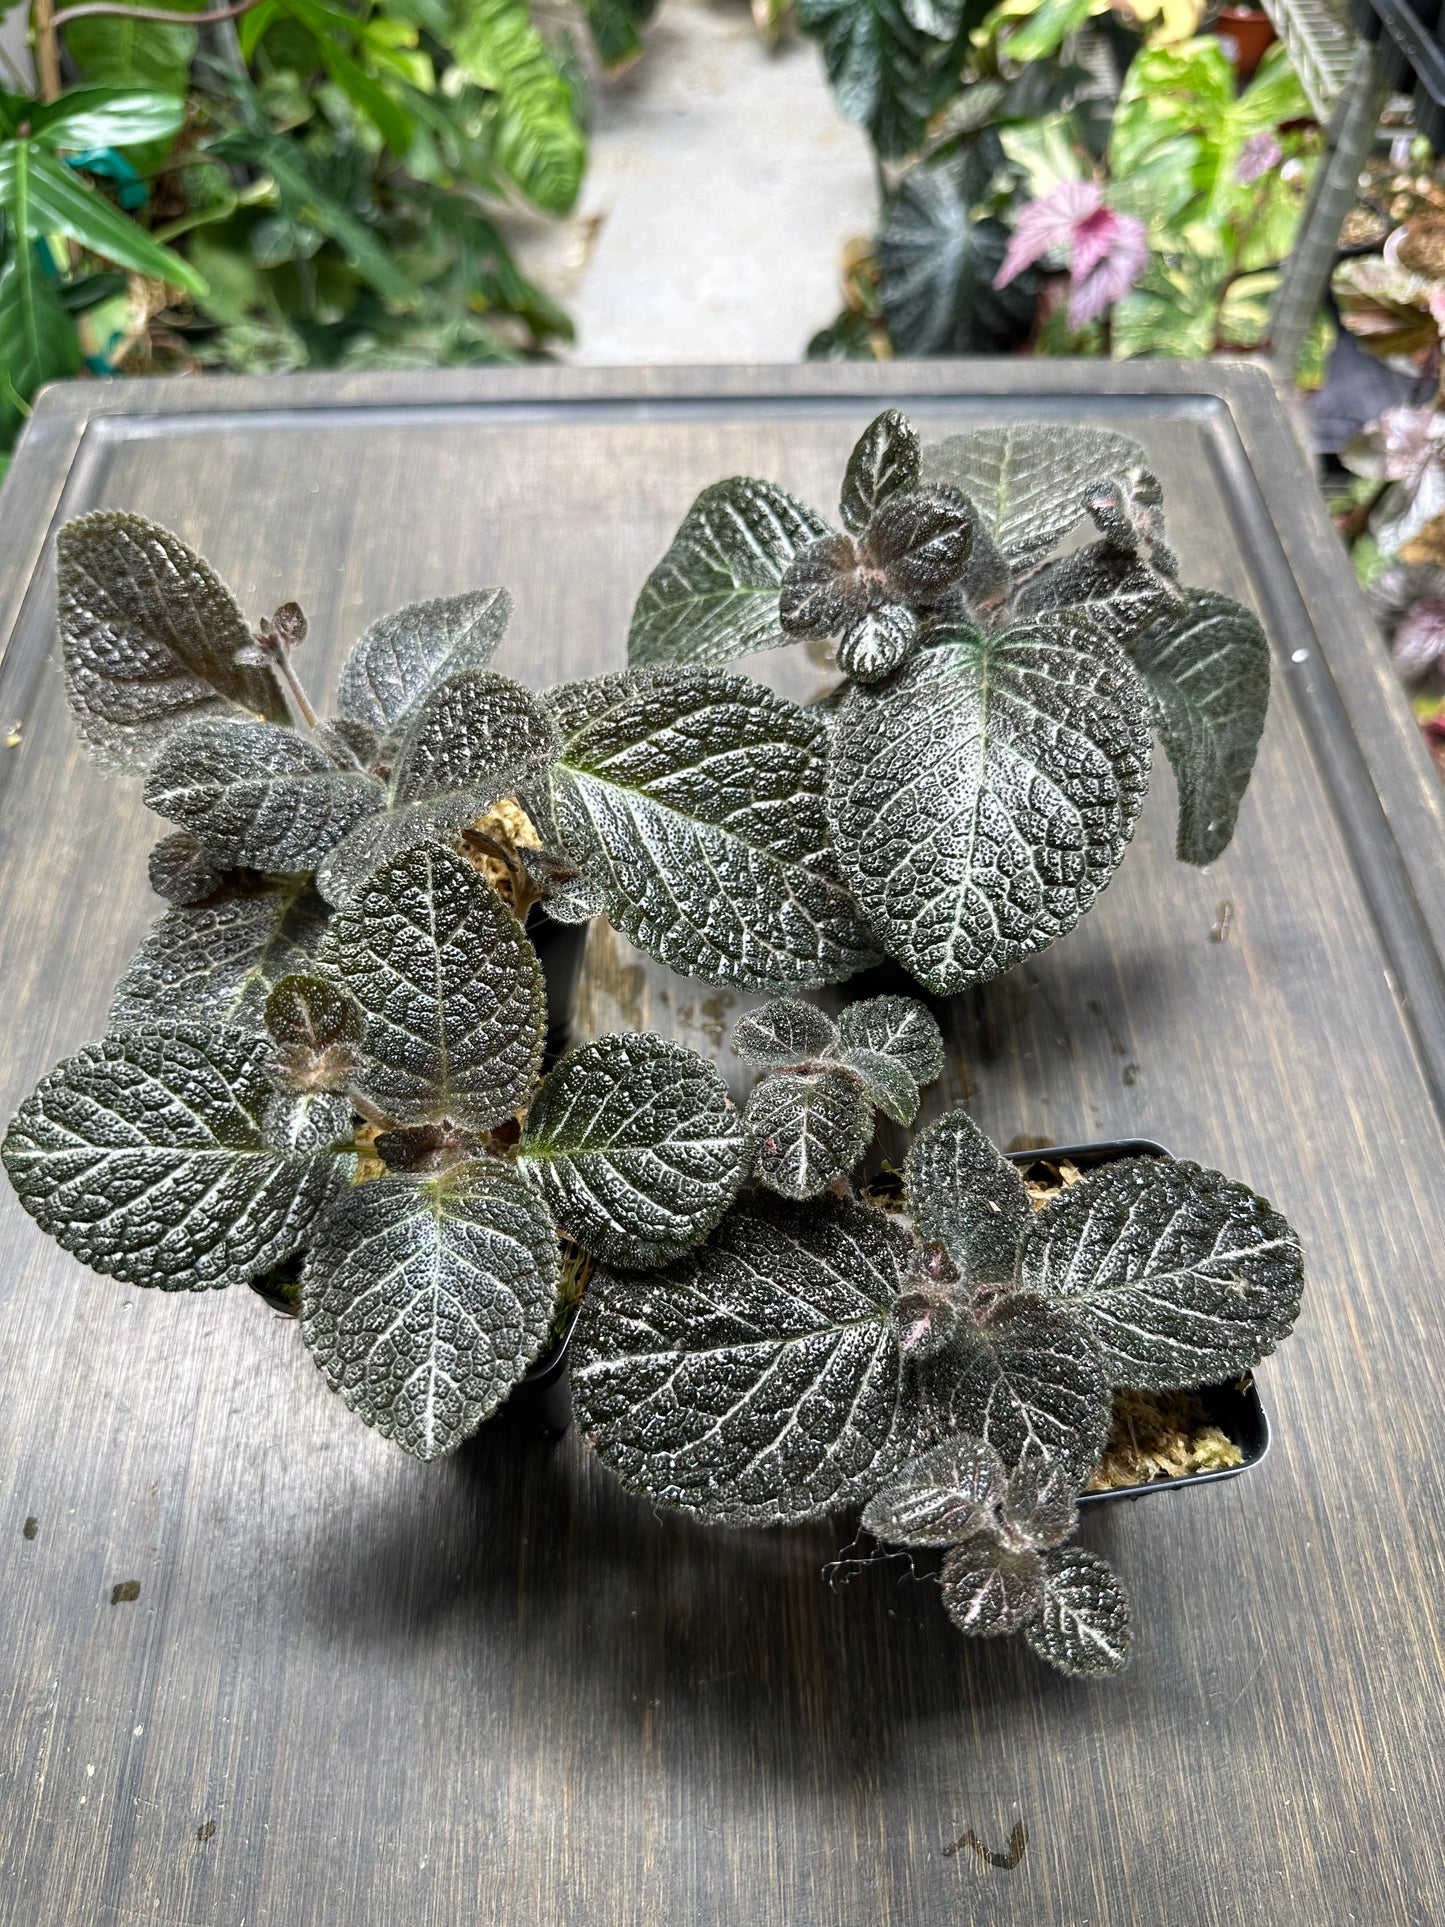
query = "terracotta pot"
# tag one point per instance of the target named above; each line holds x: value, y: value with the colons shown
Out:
x: 1247, y: 36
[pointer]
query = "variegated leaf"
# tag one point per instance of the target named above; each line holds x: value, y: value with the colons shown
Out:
x: 808, y: 1128
x: 400, y: 659
x: 216, y: 962
x: 1084, y: 1626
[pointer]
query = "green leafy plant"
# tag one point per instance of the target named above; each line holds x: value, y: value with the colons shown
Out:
x: 973, y: 784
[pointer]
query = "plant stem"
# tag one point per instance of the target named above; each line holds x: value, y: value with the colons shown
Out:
x: 291, y: 683
x: 47, y: 48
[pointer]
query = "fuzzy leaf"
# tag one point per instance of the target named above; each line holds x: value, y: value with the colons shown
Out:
x: 1039, y: 1500
x: 755, y: 1381
x: 896, y: 1027
x: 636, y: 1146
x: 400, y: 659
x: 150, y: 636
x: 714, y: 595
x: 875, y: 643
x: 938, y: 257
x: 255, y: 794
x: 1182, y: 1276
x: 981, y: 798
x: 694, y: 800
x: 884, y: 461
x: 1113, y: 588
x: 989, y: 1588
x: 217, y: 961
x: 1206, y: 671
x: 1084, y: 1626
x: 180, y: 871
x: 885, y: 1083
x: 312, y: 1012
x: 146, y: 1157
x: 785, y: 1031
x: 423, y: 1302
x: 1029, y: 480
x: 967, y: 1198
x: 807, y: 1129
x: 450, y: 988
x: 921, y: 542
x: 942, y: 1497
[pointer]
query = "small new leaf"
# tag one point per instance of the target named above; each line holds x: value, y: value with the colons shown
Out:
x: 991, y: 1588
x: 785, y: 1031
x: 423, y: 1302
x: 1182, y: 1276
x: 636, y: 1146
x: 1084, y: 1626
x: 808, y: 1128
x: 181, y: 872
x: 896, y: 1027
x: 942, y: 1497
x: 967, y: 1198
x: 403, y: 657
x: 884, y: 461
x: 216, y: 962
x: 316, y: 1027
x: 147, y: 1157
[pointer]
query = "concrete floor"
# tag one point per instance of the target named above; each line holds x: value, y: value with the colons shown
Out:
x: 721, y: 189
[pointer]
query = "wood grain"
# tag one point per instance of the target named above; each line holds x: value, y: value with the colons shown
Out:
x: 357, y: 1689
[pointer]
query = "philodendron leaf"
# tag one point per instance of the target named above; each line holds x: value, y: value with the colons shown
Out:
x: 1182, y: 1276
x: 181, y: 872
x: 990, y: 1588
x: 255, y: 794
x: 755, y: 1381
x: 694, y: 800
x: 942, y: 1497
x: 1029, y: 480
x: 1205, y: 668
x: 714, y: 595
x: 808, y: 1128
x: 784, y: 1031
x: 400, y: 659
x: 967, y: 1198
x: 450, y: 989
x: 150, y: 637
x: 146, y: 1156
x: 884, y: 461
x: 982, y: 797
x: 424, y: 1301
x: 1084, y: 1625
x: 637, y: 1147
x: 216, y: 962
x: 475, y: 739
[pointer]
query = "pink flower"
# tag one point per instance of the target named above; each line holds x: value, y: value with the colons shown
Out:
x: 1107, y: 251
x: 1258, y: 155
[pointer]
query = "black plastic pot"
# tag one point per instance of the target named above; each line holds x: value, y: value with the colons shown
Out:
x: 560, y: 948
x: 1234, y: 1407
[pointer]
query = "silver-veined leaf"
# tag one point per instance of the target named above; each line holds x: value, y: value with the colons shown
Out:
x: 966, y: 1197
x: 755, y: 1381
x: 808, y: 1128
x: 991, y: 1588
x: 1183, y: 1276
x: 148, y: 1157
x: 982, y: 797
x: 1028, y: 480
x: 423, y: 1301
x: 940, y: 1498
x: 1084, y: 1626
x: 180, y: 871
x: 786, y: 1030
x: 637, y: 1147
x: 216, y: 962
x: 938, y: 256
x: 884, y: 461
x: 896, y: 1027
x: 402, y: 657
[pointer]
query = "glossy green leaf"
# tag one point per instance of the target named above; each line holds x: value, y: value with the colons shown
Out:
x: 55, y: 201
x: 883, y: 67
x: 808, y: 1128
x: 216, y: 962
x: 38, y: 342
x: 86, y: 117
x: 1084, y: 1626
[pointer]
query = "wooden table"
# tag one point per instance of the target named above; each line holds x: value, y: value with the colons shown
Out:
x: 355, y: 1691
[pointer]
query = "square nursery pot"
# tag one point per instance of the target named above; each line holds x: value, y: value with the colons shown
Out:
x: 1234, y: 1407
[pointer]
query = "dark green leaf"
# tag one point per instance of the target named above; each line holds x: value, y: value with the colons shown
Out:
x: 423, y: 1302
x: 114, y: 50
x: 636, y: 1146
x: 882, y: 67
x: 150, y: 635
x: 785, y: 1031
x: 694, y: 800
x: 1084, y: 1626
x: 1028, y: 480
x: 938, y: 258
x: 145, y: 1157
x: 982, y: 797
x: 884, y: 461
x: 991, y: 1588
x: 756, y: 1380
x: 87, y: 117
x: 714, y: 595
x: 1182, y: 1276
x: 311, y: 1012
x: 181, y: 872
x: 966, y: 1197
x: 614, y: 28
x: 215, y: 962
x: 402, y: 657
x: 896, y: 1027
x: 942, y: 1497
x: 808, y: 1127
x: 450, y: 988
x: 58, y: 203
x: 38, y: 342
x: 885, y: 1083
x: 1108, y: 585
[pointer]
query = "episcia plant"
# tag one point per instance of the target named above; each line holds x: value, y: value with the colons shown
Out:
x: 982, y: 764
x: 948, y: 1366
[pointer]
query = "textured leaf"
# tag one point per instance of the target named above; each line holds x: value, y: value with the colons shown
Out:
x: 537, y: 138
x: 884, y: 460
x: 921, y: 542
x: 825, y: 590
x: 637, y: 1147
x: 312, y: 1012
x: 180, y: 871
x: 1113, y: 588
x: 1085, y: 1626
x: 881, y: 66
x: 784, y: 1031
x: 694, y: 800
x: 1206, y: 671
x: 307, y: 1121
x: 1029, y: 480
x: 896, y: 1027
x: 937, y: 258
x: 982, y: 797
x: 150, y: 636
x: 714, y: 595
x: 401, y: 658
x: 966, y: 1197
x: 145, y: 1157
x: 755, y: 1381
x: 1039, y: 1501
x: 255, y: 794
x: 990, y: 1588
x: 217, y: 961
x: 885, y: 1084
x: 423, y: 1302
x: 808, y: 1128
x: 450, y: 988
x: 1182, y: 1276
x: 940, y: 1498
x: 1026, y: 1379
x: 874, y: 645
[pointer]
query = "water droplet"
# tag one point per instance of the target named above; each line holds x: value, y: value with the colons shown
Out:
x: 1300, y: 655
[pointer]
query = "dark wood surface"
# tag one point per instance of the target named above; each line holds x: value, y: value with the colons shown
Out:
x: 361, y: 1691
